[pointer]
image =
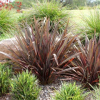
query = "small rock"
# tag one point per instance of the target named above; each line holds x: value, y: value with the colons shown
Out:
x: 4, y: 46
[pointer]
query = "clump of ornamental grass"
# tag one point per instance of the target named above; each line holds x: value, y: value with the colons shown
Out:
x: 69, y: 92
x: 92, y: 22
x: 5, y: 75
x: 50, y: 9
x: 45, y: 53
x: 88, y: 63
x: 24, y: 87
x: 7, y: 21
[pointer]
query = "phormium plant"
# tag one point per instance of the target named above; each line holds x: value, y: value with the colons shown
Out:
x: 88, y: 63
x: 44, y: 53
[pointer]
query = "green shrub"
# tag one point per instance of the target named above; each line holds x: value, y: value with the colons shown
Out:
x: 24, y: 87
x: 5, y: 74
x: 69, y: 92
x: 7, y: 21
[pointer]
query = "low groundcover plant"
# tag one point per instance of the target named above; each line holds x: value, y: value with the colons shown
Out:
x: 24, y: 87
x: 69, y: 92
x: 5, y: 75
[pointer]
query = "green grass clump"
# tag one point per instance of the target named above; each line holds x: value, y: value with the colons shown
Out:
x: 69, y: 92
x: 24, y: 87
x: 7, y: 21
x: 5, y: 74
x: 52, y: 10
x: 92, y: 22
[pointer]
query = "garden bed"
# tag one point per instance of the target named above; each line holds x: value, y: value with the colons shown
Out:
x: 49, y: 91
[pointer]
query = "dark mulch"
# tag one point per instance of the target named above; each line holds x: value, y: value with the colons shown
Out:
x: 6, y: 97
